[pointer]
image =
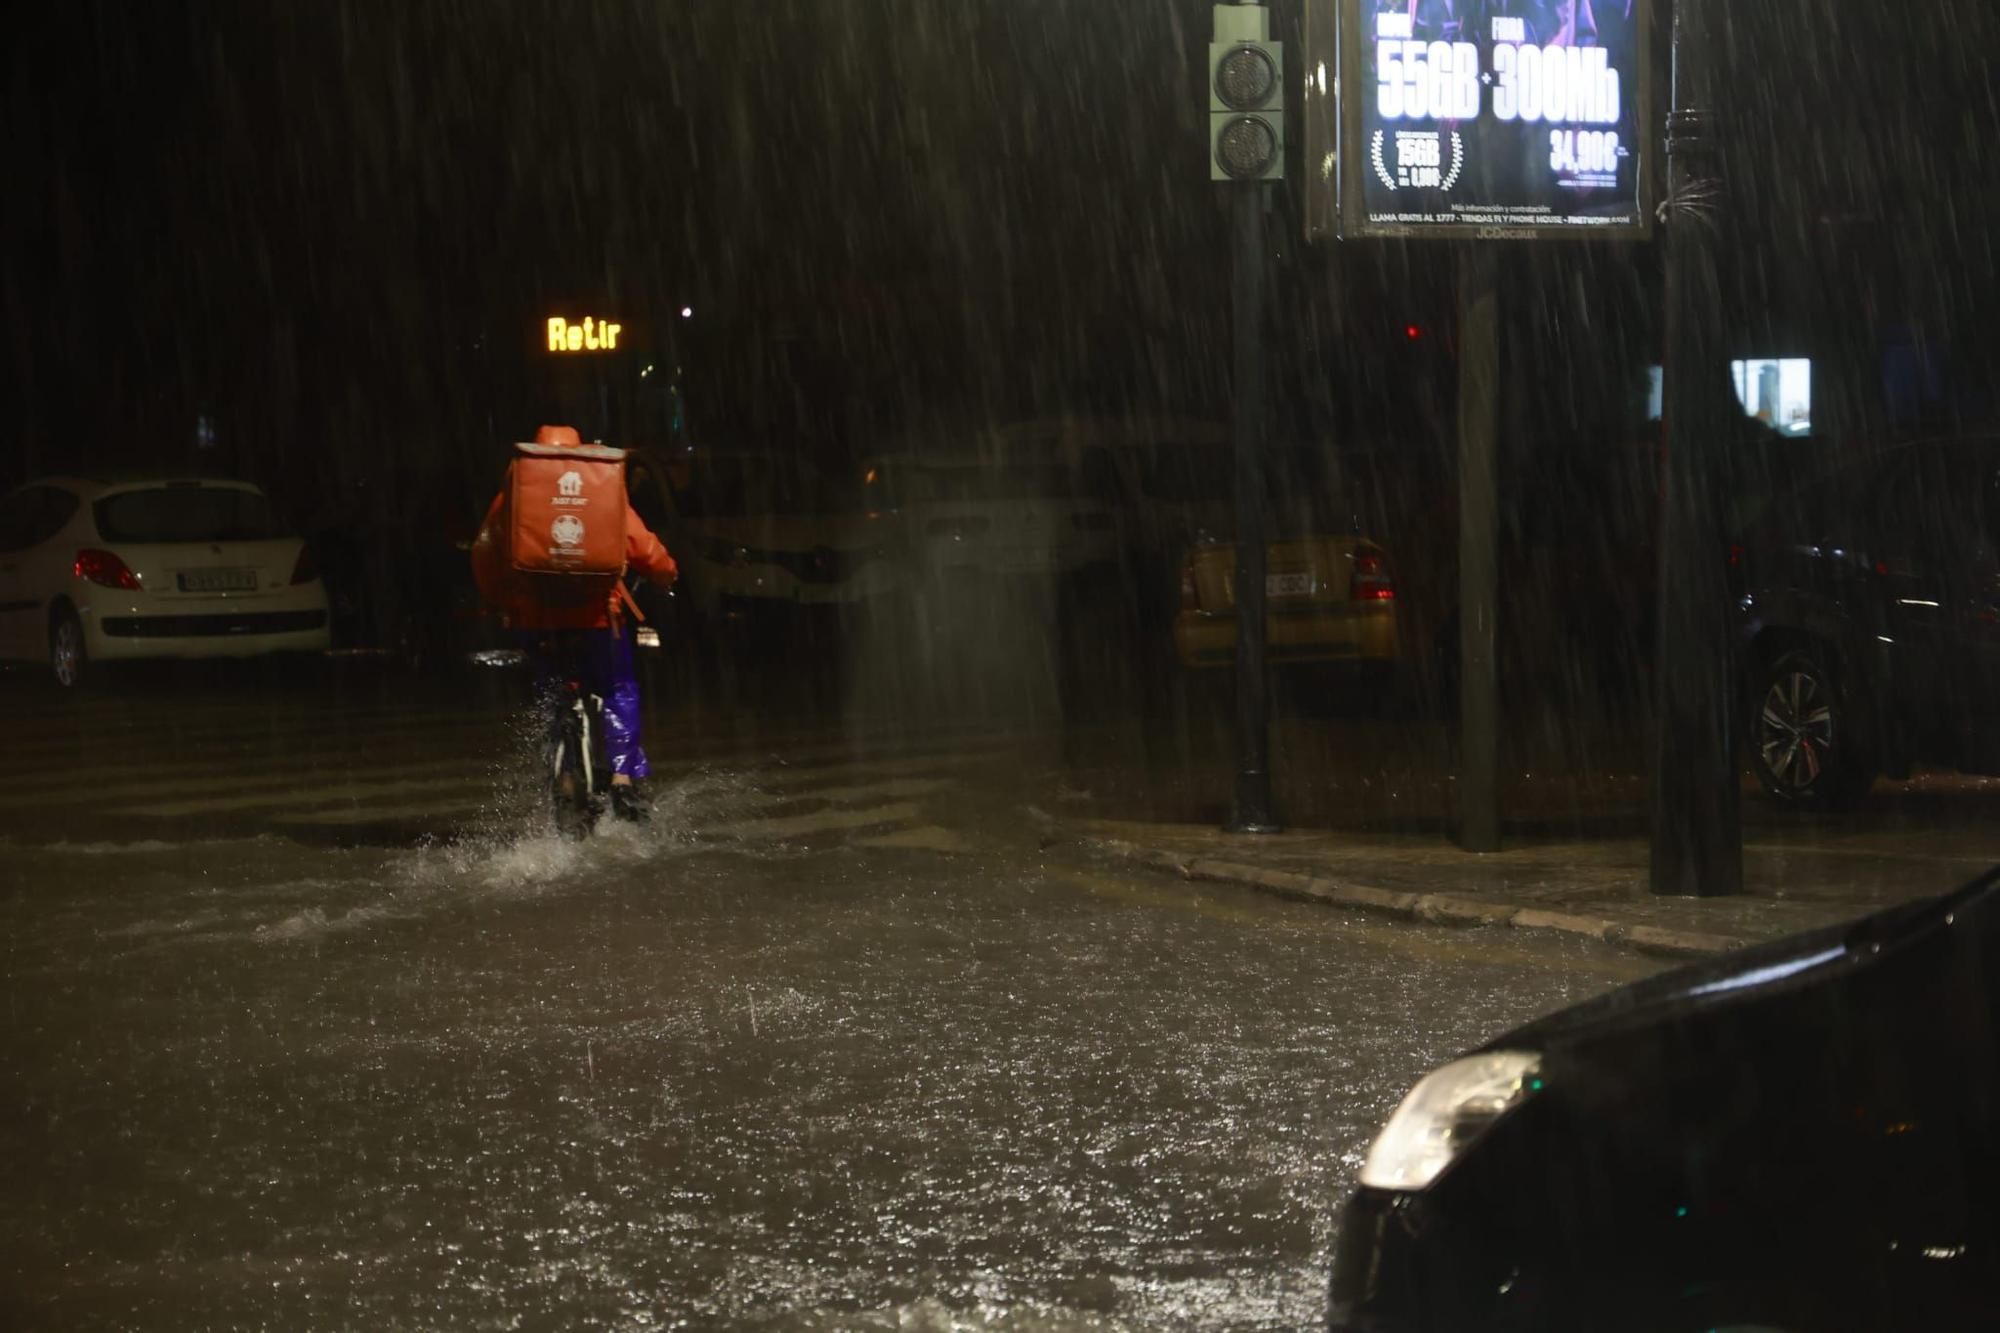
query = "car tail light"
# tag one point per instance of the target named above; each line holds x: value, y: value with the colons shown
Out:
x: 305, y: 569
x: 1370, y: 581
x: 105, y: 570
x: 1190, y: 590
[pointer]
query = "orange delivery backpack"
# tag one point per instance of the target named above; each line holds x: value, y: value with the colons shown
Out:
x: 564, y: 517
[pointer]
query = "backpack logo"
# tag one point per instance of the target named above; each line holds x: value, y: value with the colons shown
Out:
x: 567, y: 530
x: 569, y: 483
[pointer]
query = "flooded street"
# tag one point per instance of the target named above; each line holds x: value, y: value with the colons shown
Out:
x: 1081, y: 674
x: 932, y: 1076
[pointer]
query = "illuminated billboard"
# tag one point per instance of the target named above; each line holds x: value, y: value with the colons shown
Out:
x: 1477, y: 118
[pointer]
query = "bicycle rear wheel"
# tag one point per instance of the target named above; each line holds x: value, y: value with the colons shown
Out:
x: 577, y: 775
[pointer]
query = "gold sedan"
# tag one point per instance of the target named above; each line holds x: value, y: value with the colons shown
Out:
x: 1328, y: 599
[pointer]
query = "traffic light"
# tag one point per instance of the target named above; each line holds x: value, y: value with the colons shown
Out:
x: 1246, y: 97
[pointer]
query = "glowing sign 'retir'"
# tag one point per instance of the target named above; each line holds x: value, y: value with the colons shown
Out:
x: 592, y: 335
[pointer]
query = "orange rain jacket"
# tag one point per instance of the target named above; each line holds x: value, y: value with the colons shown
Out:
x: 493, y: 568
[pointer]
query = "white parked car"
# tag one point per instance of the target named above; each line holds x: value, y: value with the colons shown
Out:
x: 756, y: 532
x: 93, y: 570
x: 1031, y: 501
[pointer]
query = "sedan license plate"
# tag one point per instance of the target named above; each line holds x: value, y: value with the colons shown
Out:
x: 1288, y: 585
x: 217, y: 580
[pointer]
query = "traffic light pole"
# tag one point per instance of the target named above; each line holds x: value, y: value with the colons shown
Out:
x: 1697, y: 844
x: 1246, y: 105
x: 1251, y: 811
x: 1478, y: 823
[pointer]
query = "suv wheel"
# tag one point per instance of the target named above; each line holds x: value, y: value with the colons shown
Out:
x: 1802, y: 734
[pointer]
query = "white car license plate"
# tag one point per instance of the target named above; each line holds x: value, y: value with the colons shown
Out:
x: 1288, y: 585
x: 217, y: 580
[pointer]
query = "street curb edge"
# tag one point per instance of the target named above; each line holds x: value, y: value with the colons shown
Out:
x: 1434, y: 908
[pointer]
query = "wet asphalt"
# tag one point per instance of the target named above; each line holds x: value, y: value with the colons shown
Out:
x: 836, y: 1042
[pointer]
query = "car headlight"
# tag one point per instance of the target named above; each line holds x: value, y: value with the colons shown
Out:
x: 1448, y: 1109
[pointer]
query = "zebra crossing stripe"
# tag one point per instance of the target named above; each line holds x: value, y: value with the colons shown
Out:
x: 841, y: 817
x: 378, y: 814
x: 482, y: 745
x: 853, y: 795
x: 231, y: 727
x: 298, y: 783
x: 824, y: 821
x: 303, y: 798
x: 732, y: 805
x: 237, y: 785
x: 456, y: 777
x: 763, y: 780
x: 218, y: 730
x: 921, y: 838
x: 726, y: 781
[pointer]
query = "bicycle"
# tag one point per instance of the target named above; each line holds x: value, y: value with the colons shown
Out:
x: 579, y: 764
x: 579, y: 771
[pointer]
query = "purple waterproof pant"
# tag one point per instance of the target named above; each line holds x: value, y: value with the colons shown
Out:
x: 602, y: 660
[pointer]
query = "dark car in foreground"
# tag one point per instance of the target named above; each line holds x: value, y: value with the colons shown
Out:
x: 1804, y: 1135
x: 1870, y: 622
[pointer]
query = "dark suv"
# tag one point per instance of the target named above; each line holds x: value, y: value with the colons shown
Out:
x: 1870, y: 621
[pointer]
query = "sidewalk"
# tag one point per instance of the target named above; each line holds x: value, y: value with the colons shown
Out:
x: 1594, y: 887
x: 1367, y: 802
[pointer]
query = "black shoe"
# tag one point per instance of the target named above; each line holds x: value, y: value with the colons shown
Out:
x: 629, y: 804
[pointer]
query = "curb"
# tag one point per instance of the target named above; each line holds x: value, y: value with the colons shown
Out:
x: 1434, y: 908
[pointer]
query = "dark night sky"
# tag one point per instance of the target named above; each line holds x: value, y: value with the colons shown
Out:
x: 302, y: 217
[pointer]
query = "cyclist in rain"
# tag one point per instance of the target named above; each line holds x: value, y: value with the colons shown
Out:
x: 591, y: 644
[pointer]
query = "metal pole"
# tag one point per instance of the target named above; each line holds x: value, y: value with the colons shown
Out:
x: 1697, y: 823
x: 1251, y: 811
x: 1478, y: 551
